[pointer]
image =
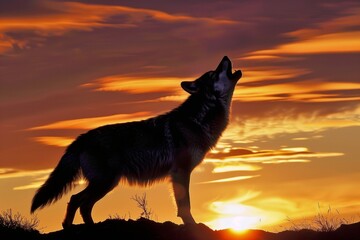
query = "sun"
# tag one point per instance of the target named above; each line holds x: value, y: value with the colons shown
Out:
x: 235, y: 216
x: 238, y: 224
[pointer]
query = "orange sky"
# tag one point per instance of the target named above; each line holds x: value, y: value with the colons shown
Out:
x: 292, y: 142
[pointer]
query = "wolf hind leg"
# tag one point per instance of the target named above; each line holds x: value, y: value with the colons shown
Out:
x: 180, y: 182
x: 95, y: 191
x: 72, y: 207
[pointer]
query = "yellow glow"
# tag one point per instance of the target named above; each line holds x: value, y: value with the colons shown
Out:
x: 238, y: 167
x: 296, y: 149
x: 236, y: 223
x: 234, y: 214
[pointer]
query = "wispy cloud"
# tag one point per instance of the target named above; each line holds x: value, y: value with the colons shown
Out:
x: 337, y: 35
x: 235, y: 168
x: 327, y: 43
x: 6, y: 173
x: 138, y: 85
x: 230, y: 179
x: 75, y: 15
x: 288, y: 121
x: 257, y: 74
x: 54, y: 141
x: 63, y: 17
x: 89, y: 123
x: 30, y: 179
x: 314, y: 90
x: 37, y: 177
x: 271, y: 156
x: 234, y: 160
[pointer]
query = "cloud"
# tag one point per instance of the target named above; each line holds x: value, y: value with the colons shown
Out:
x: 231, y: 160
x: 138, y: 85
x: 235, y: 168
x: 327, y: 43
x: 254, y: 122
x: 248, y: 160
x: 37, y: 177
x: 88, y: 123
x: 336, y: 35
x: 314, y: 90
x: 54, y: 141
x: 63, y: 17
x: 268, y: 74
x: 6, y: 173
x: 230, y: 179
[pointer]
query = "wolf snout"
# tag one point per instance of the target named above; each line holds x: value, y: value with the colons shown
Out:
x: 237, y: 75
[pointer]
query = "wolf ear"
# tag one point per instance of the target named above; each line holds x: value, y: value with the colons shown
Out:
x: 190, y: 86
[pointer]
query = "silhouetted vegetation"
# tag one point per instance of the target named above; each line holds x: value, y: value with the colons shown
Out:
x: 142, y: 203
x: 14, y: 226
x: 322, y: 222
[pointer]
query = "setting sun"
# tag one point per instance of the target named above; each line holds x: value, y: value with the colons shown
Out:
x: 236, y: 223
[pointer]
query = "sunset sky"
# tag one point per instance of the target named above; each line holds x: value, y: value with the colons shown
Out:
x: 291, y: 148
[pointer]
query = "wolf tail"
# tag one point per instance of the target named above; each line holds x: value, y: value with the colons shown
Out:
x: 61, y: 180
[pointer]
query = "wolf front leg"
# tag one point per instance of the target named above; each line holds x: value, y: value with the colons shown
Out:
x: 180, y: 182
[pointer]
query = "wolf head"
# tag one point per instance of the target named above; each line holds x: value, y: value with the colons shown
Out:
x: 219, y: 83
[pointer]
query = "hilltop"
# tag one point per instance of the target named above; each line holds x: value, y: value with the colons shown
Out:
x: 142, y: 229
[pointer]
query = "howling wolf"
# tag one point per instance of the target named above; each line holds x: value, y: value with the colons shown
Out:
x: 143, y: 152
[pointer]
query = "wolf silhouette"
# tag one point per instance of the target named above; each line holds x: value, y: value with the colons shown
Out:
x: 143, y: 152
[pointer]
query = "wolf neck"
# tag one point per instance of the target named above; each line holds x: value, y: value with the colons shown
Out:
x: 210, y: 116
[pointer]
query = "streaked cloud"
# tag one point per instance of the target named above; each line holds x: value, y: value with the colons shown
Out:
x: 54, y: 141
x: 314, y: 90
x: 234, y: 160
x: 84, y: 16
x: 288, y: 120
x: 6, y: 173
x: 69, y: 16
x: 336, y: 35
x: 230, y: 179
x: 327, y: 43
x: 31, y: 179
x: 268, y: 156
x: 256, y: 74
x: 138, y: 85
x: 235, y: 168
x: 89, y: 123
x: 33, y: 185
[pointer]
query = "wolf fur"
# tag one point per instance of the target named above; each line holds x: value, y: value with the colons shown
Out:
x: 143, y: 152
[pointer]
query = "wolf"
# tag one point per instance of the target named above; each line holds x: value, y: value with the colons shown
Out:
x: 168, y: 146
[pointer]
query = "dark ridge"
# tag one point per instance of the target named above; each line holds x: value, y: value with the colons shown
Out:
x: 142, y: 229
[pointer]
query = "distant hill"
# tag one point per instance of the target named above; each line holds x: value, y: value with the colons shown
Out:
x: 146, y: 229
